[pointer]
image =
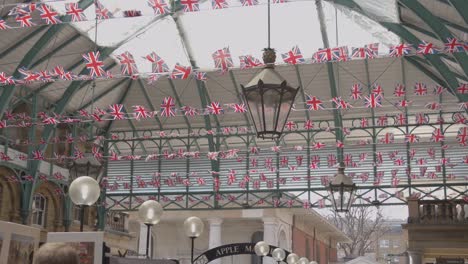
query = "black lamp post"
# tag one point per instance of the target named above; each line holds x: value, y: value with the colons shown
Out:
x: 193, y: 227
x: 342, y: 190
x: 268, y: 96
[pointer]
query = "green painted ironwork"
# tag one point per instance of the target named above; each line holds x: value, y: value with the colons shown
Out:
x: 461, y: 6
x: 104, y: 93
x: 438, y: 27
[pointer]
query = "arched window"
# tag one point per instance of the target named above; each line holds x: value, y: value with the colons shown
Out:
x: 39, y: 210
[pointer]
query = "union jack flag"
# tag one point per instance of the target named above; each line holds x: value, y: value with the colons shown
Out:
x: 215, y: 109
x: 78, y: 154
x: 462, y: 136
x: 420, y: 89
x: 373, y: 100
x: 356, y: 91
x: 219, y: 4
x: 462, y: 88
x: 116, y: 111
x: 369, y: 51
x: 438, y: 90
x: 37, y: 155
x: 190, y: 5
x: 454, y: 45
x: 160, y: 7
x: 101, y: 11
x: 201, y: 76
x: 158, y: 64
x: 399, y: 90
x: 340, y: 103
x: 331, y: 160
x: 127, y: 64
x: 189, y: 111
x: 290, y: 125
x: 181, y: 72
x: 96, y: 153
x: 399, y: 50
x: 427, y: 48
x: 222, y: 59
x: 74, y: 10
x: 422, y: 119
x: 25, y: 20
x: 437, y: 135
x: 49, y: 15
x: 249, y: 2
x: 433, y: 106
x: 239, y: 108
x: 5, y: 79
x: 140, y: 112
x: 62, y: 74
x: 387, y: 139
x: 403, y: 103
x: 309, y: 124
x: 168, y: 107
x: 340, y: 53
x: 318, y: 145
x: 248, y: 61
x: 3, y: 25
x: 94, y: 65
x: 29, y: 76
x: 313, y: 103
x: 294, y: 56
x: 411, y: 138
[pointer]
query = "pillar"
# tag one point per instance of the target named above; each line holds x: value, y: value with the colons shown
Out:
x: 415, y: 257
x: 215, y: 235
x: 270, y: 225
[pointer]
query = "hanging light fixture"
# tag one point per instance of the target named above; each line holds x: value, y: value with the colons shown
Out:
x: 268, y: 96
x: 342, y: 190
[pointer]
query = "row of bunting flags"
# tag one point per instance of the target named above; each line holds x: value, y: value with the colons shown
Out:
x: 223, y: 61
x: 168, y: 109
x: 388, y: 138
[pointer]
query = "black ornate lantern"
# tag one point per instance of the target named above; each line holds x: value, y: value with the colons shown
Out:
x: 342, y: 190
x: 269, y: 99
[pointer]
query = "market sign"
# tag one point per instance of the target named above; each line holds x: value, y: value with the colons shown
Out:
x: 229, y: 250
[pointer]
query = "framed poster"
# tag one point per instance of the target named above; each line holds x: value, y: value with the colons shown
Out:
x: 88, y: 244
x: 18, y: 243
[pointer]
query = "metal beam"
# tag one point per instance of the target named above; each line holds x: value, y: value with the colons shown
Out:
x: 338, y: 123
x: 21, y: 41
x: 179, y: 103
x: 438, y: 27
x: 150, y: 105
x: 423, y: 62
x: 461, y: 6
x: 409, y: 37
x: 120, y: 101
x: 55, y: 50
x: 31, y: 54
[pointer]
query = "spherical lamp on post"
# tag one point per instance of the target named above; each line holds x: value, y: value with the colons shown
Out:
x: 292, y: 258
x: 303, y: 261
x: 278, y: 254
x: 193, y: 227
x: 262, y: 249
x: 84, y: 191
x: 150, y: 213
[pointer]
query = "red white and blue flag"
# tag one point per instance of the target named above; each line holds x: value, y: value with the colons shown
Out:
x: 249, y: 2
x: 158, y: 64
x: 437, y: 135
x: 168, y: 107
x: 340, y: 103
x: 219, y: 4
x: 313, y: 103
x: 399, y: 90
x: 462, y: 88
x: 74, y: 10
x: 160, y: 7
x: 369, y: 51
x: 50, y: 16
x: 5, y: 79
x: 454, y: 45
x: 420, y: 89
x: 427, y: 48
x: 462, y: 136
x: 181, y: 72
x: 94, y: 64
x: 373, y: 101
x: 222, y: 59
x: 215, y: 108
x: 294, y: 56
x: 399, y: 50
x: 356, y: 91
x: 3, y: 25
x: 190, y: 5
x: 101, y: 11
x: 247, y: 62
x: 116, y: 111
x: 127, y: 64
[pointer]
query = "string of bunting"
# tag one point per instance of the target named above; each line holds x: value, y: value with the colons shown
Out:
x: 223, y: 61
x: 313, y: 103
